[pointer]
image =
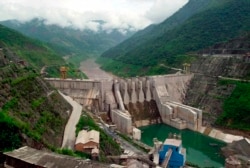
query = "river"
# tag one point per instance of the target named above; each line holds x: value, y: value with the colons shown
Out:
x: 200, y: 149
x: 93, y: 70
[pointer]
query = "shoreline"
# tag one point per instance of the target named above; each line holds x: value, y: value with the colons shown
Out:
x: 209, y: 131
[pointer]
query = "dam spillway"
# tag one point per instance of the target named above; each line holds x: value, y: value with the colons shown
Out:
x: 161, y: 95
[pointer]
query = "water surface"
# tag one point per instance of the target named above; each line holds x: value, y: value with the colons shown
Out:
x: 200, y: 149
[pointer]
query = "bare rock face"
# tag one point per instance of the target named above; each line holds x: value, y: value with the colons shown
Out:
x: 238, y: 46
x: 227, y: 60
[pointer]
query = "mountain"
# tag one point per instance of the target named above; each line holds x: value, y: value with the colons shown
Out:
x: 31, y: 111
x: 197, y: 25
x: 36, y: 53
x: 154, y: 31
x: 68, y: 40
x: 219, y: 86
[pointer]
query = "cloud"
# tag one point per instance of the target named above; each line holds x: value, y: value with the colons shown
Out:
x: 164, y: 8
x: 80, y: 14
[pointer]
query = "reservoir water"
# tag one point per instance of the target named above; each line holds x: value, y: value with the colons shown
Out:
x: 200, y: 149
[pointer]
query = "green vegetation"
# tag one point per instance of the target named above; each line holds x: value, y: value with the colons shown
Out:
x: 27, y: 114
x: 192, y: 165
x: 220, y: 21
x: 108, y: 146
x: 37, y: 54
x: 78, y: 44
x: 127, y: 70
x: 34, y: 52
x: 9, y: 134
x: 73, y: 72
x: 70, y: 152
x: 236, y: 108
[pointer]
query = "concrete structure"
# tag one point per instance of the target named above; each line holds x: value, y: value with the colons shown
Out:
x: 172, y: 148
x: 168, y: 92
x: 169, y: 154
x: 107, y: 95
x: 217, y: 134
x: 180, y: 116
x: 88, y: 141
x: 26, y: 157
x: 136, y: 133
x: 84, y: 91
x: 122, y: 120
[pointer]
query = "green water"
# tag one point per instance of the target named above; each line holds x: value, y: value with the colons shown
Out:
x: 201, y: 150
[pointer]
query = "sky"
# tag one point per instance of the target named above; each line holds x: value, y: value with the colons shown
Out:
x: 81, y: 14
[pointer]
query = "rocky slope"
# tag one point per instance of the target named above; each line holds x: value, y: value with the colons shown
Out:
x: 217, y: 73
x: 31, y: 111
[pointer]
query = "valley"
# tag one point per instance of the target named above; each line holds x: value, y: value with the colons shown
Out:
x: 93, y: 71
x: 111, y: 93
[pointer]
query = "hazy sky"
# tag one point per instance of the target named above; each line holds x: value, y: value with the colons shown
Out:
x: 121, y: 14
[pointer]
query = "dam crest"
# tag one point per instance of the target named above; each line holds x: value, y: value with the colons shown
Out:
x: 154, y: 94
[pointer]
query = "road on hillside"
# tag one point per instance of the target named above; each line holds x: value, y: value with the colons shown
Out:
x: 93, y: 70
x: 129, y: 148
x: 69, y: 132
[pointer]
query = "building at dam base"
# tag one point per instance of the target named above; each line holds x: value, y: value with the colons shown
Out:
x: 201, y: 149
x: 169, y: 154
x: 114, y: 96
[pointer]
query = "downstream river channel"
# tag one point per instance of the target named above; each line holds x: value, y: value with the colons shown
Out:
x: 201, y: 150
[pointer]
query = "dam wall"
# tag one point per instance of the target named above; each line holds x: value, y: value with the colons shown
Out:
x: 82, y: 91
x: 116, y: 96
x: 122, y: 120
x: 168, y: 92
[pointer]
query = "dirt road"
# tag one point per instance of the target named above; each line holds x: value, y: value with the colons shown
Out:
x: 69, y: 132
x: 93, y: 71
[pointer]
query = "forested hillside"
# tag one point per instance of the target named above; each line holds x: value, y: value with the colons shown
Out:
x: 75, y: 43
x: 215, y: 21
x: 154, y: 31
x: 31, y: 111
x: 35, y: 53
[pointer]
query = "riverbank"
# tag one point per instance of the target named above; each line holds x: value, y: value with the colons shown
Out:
x: 217, y: 134
x: 208, y: 131
x: 93, y: 70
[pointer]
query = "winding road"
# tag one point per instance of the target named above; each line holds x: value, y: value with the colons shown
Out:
x: 93, y: 71
x: 69, y: 132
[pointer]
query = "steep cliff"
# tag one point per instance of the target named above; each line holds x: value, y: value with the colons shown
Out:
x: 221, y: 72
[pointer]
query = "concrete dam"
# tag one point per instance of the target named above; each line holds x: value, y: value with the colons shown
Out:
x: 136, y: 101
